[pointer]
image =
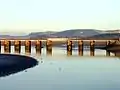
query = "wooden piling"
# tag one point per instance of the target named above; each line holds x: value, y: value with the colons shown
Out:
x: 27, y: 46
x: 69, y: 47
x: 7, y: 46
x: 38, y: 46
x: 49, y: 47
x: 107, y: 51
x: 92, y: 48
x: 17, y: 46
x: 80, y: 47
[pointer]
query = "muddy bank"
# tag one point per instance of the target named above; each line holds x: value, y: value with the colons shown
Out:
x: 10, y: 63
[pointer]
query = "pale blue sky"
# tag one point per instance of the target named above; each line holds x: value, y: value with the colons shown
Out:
x: 42, y: 15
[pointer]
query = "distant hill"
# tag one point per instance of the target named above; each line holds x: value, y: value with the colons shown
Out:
x: 13, y: 37
x: 106, y: 36
x: 37, y: 35
x: 66, y: 33
x: 80, y: 33
x: 13, y: 33
x: 77, y: 33
x: 41, y: 33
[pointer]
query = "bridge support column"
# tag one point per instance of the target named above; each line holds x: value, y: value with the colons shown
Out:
x: 27, y: 46
x: 107, y: 51
x: 69, y: 47
x: 17, y: 46
x: 92, y: 48
x: 38, y: 46
x: 7, y: 46
x: 117, y: 54
x: 49, y: 47
x: 80, y: 47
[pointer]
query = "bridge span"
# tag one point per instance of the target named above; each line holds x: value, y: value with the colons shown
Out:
x: 108, y: 45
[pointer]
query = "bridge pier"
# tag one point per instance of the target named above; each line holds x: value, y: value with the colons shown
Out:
x: 69, y: 47
x: 80, y: 47
x: 27, y: 46
x: 107, y: 51
x: 38, y: 46
x: 49, y: 47
x: 92, y: 48
x: 17, y: 45
x: 117, y: 54
x: 7, y: 46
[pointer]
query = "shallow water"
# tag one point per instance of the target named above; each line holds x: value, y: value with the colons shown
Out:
x: 60, y: 72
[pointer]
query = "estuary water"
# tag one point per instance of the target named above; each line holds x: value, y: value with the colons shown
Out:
x: 60, y: 72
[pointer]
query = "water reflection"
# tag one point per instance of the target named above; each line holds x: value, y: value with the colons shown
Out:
x: 10, y: 64
x: 60, y: 72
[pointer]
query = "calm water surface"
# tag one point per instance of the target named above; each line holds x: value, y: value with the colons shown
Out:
x: 59, y: 72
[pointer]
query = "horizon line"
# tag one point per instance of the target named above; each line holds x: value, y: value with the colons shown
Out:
x: 33, y: 30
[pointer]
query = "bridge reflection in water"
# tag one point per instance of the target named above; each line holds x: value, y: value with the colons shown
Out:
x: 108, y: 45
x: 10, y: 64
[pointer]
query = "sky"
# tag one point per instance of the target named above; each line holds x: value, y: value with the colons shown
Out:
x: 57, y: 15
